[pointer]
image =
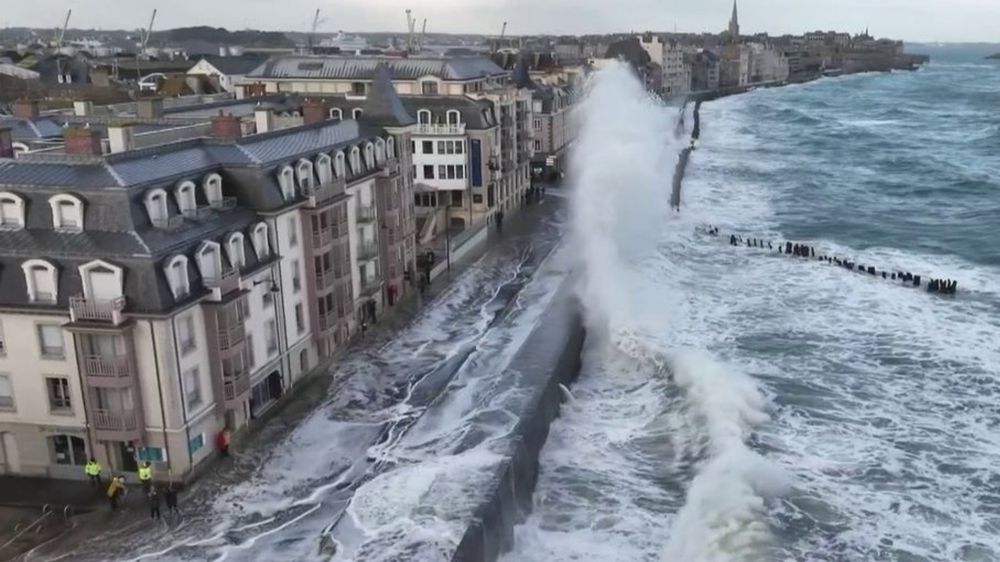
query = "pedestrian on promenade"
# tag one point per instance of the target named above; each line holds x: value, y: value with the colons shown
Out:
x: 146, y: 476
x: 115, y: 492
x: 154, y: 503
x: 93, y: 471
x: 170, y: 495
x: 222, y: 442
x: 499, y: 221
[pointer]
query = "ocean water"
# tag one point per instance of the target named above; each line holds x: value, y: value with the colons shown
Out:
x: 737, y: 404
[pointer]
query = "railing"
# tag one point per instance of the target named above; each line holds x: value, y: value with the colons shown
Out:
x: 327, y: 321
x: 322, y: 237
x: 106, y: 366
x: 325, y: 279
x: 325, y: 191
x: 169, y: 223
x: 367, y: 251
x: 229, y: 280
x: 235, y: 386
x: 108, y: 310
x: 441, y: 129
x: 121, y: 420
x: 230, y: 336
x: 366, y: 214
x: 370, y: 286
x: 223, y: 204
x: 197, y: 213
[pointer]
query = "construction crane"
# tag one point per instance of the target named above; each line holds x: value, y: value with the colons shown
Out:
x: 149, y: 31
x: 503, y: 31
x: 312, y: 32
x: 142, y: 48
x: 410, y: 24
x: 60, y: 35
x: 423, y: 31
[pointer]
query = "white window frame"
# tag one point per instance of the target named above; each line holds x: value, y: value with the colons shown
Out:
x: 186, y: 198
x: 193, y: 375
x: 340, y: 164
x: 236, y: 251
x: 41, y: 347
x: 390, y: 147
x: 304, y: 175
x: 191, y: 343
x: 30, y: 265
x: 212, y: 185
x: 369, y: 155
x: 7, y: 381
x: 180, y: 287
x: 355, y: 160
x: 67, y: 398
x: 457, y: 115
x: 357, y: 113
x: 56, y: 202
x: 15, y: 222
x: 88, y: 289
x: 293, y: 231
x: 210, y: 250
x: 324, y: 168
x: 261, y: 245
x: 424, y: 116
x: 336, y: 113
x: 379, y: 151
x: 157, y: 199
x: 286, y: 179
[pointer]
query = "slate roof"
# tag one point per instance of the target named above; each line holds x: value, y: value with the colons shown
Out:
x: 235, y: 66
x: 382, y: 105
x: 31, y: 129
x: 363, y: 68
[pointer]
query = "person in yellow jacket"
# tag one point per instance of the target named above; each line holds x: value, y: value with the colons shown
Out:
x: 115, y: 490
x: 146, y: 477
x: 93, y: 471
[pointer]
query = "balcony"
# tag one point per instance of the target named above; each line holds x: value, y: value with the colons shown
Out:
x: 441, y: 129
x: 100, y: 310
x: 231, y: 336
x: 325, y: 191
x: 325, y: 279
x: 322, y: 237
x: 327, y: 321
x: 106, y: 366
x: 366, y: 214
x: 198, y: 213
x: 169, y: 223
x: 225, y: 283
x: 367, y: 251
x: 115, y: 420
x: 370, y: 287
x: 224, y: 204
x: 233, y: 388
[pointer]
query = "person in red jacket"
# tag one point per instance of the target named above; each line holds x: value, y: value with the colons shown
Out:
x: 222, y: 442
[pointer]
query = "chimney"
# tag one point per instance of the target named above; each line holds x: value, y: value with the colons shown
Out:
x: 226, y: 126
x: 314, y: 111
x: 149, y: 109
x: 26, y: 109
x: 121, y: 138
x: 83, y: 108
x: 6, y: 143
x: 82, y: 141
x: 264, y: 119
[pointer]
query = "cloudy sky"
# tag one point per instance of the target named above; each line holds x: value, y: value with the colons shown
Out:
x: 915, y: 20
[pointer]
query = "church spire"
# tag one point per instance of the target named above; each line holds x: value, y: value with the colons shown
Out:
x: 734, y: 24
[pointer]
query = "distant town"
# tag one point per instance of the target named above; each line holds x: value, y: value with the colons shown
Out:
x: 194, y: 221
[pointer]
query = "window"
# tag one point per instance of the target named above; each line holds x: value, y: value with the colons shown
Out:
x: 355, y: 161
x: 260, y: 242
x: 186, y: 198
x: 50, y: 341
x: 300, y: 321
x: 209, y: 263
x: 185, y: 334
x: 271, y: 336
x: 324, y: 168
x: 369, y: 156
x: 538, y: 144
x: 428, y: 147
x: 459, y: 147
x: 538, y: 124
x: 67, y: 212
x: 156, y: 208
x: 196, y: 443
x: 296, y: 277
x: 177, y: 276
x: 429, y: 88
x: 40, y: 278
x: 379, y: 151
x: 428, y: 172
x: 424, y: 116
x: 456, y: 198
x: 304, y: 172
x: 11, y: 211
x: 443, y: 148
x: 192, y: 388
x: 67, y: 449
x: 213, y: 189
x: 358, y: 88
x: 304, y: 360
x: 237, y: 256
x: 287, y: 182
x: 357, y: 113
x: 336, y: 114
x: 460, y: 172
x: 251, y: 358
x: 6, y: 393
x: 338, y: 167
x: 293, y: 232
x: 390, y: 147
x: 477, y: 198
x: 59, y: 401
x: 454, y: 117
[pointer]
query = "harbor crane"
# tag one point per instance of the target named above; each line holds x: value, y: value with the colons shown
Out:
x: 60, y: 35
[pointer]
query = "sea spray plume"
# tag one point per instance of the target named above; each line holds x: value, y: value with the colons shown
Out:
x: 621, y: 152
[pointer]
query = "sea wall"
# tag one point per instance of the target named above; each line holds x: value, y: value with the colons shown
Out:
x: 550, y: 357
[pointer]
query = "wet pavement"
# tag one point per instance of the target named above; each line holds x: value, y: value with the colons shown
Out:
x: 337, y: 470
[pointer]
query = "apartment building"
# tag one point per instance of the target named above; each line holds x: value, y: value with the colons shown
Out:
x: 151, y: 297
x: 467, y: 100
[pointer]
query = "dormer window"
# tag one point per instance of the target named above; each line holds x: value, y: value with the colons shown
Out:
x: 102, y: 281
x: 11, y: 211
x: 67, y: 213
x: 40, y: 280
x: 355, y: 161
x: 454, y: 117
x: 336, y: 114
x: 424, y: 116
x: 338, y: 165
x: 209, y: 263
x: 286, y: 179
x: 213, y: 189
x: 429, y: 88
x: 304, y: 171
x: 357, y: 113
x: 156, y: 206
x: 369, y: 156
x: 260, y: 241
x: 324, y: 168
x: 390, y: 147
x: 186, y: 199
x: 379, y: 151
x: 235, y: 250
x: 176, y: 271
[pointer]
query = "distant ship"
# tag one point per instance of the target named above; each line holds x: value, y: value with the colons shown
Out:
x: 995, y: 56
x: 345, y: 42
